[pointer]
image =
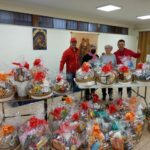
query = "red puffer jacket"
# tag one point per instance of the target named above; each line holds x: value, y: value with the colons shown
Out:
x: 72, y: 60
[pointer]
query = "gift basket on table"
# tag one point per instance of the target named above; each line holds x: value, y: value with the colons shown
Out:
x: 40, y: 87
x: 105, y: 75
x: 142, y: 72
x: 125, y: 70
x: 22, y: 77
x: 85, y: 75
x: 38, y: 66
x: 61, y: 85
x: 7, y: 90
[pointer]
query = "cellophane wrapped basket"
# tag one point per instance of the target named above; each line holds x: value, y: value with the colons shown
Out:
x: 7, y: 89
x: 9, y: 139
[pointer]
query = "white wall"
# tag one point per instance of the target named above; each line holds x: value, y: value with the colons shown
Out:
x: 16, y: 45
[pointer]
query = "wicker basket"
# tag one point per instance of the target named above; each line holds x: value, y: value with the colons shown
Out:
x: 123, y: 78
x: 86, y: 82
x: 41, y: 96
x: 8, y: 97
x: 106, y: 79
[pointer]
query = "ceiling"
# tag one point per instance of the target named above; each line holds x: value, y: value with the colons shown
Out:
x: 87, y: 8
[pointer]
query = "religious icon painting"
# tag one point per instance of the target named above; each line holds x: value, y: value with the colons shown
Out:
x: 39, y: 39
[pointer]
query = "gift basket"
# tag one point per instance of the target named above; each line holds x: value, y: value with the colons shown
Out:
x: 142, y: 72
x: 22, y: 77
x: 9, y: 139
x: 38, y: 67
x: 106, y: 75
x: 84, y: 125
x: 7, y: 89
x: 34, y: 134
x: 124, y: 74
x: 61, y: 85
x: 40, y: 87
x: 85, y: 75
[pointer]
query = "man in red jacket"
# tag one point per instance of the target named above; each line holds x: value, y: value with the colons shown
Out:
x: 124, y: 52
x: 71, y: 57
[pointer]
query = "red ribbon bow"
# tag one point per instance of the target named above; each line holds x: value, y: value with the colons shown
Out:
x: 112, y: 109
x: 57, y: 112
x: 139, y: 66
x: 75, y: 116
x: 37, y: 62
x: 85, y: 67
x: 59, y: 78
x: 84, y: 105
x: 96, y: 98
x: 25, y: 65
x: 35, y: 122
x: 119, y: 102
x: 124, y: 69
x: 107, y: 68
x: 39, y: 76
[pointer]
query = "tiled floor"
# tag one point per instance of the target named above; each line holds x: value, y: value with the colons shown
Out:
x: 38, y: 110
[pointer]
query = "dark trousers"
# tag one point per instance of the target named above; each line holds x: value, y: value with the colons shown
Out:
x: 129, y: 91
x: 110, y: 92
x: 70, y: 78
x: 88, y: 93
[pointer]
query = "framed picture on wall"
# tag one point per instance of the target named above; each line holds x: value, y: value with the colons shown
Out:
x: 39, y: 39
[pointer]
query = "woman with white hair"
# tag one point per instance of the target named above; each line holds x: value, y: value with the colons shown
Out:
x: 105, y: 59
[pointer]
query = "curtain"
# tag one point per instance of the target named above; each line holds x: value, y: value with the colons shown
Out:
x: 144, y: 45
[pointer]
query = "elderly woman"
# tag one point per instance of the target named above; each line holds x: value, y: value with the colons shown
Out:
x: 105, y: 59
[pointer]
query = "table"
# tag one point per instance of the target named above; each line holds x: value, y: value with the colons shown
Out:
x: 24, y: 100
x: 136, y: 84
x: 30, y: 100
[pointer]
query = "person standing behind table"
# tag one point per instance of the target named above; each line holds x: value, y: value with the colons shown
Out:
x: 108, y: 57
x: 71, y: 57
x: 124, y: 52
x: 91, y: 57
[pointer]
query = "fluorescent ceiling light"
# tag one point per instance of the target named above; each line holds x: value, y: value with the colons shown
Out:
x: 108, y: 8
x: 144, y: 17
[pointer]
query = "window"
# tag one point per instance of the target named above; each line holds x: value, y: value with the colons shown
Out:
x: 93, y: 27
x: 113, y: 29
x: 9, y: 17
x: 59, y: 23
x: 71, y: 25
x: 46, y: 22
x: 6, y: 17
x: 82, y: 26
x: 23, y: 19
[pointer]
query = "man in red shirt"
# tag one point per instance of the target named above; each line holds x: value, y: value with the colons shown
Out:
x: 71, y: 57
x: 124, y: 52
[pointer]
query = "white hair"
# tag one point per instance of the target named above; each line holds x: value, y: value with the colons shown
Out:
x: 108, y: 46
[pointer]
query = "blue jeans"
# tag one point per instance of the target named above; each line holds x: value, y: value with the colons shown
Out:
x: 70, y: 78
